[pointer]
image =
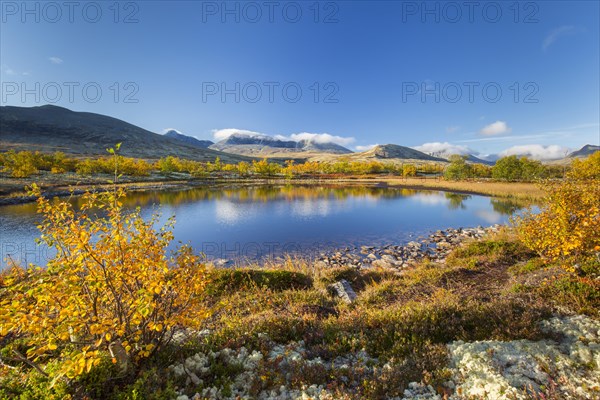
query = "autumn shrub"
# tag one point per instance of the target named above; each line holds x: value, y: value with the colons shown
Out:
x: 458, y: 168
x: 587, y: 169
x: 513, y: 168
x: 111, y: 288
x: 19, y: 165
x: 409, y: 170
x: 265, y: 168
x: 568, y: 224
x: 23, y: 164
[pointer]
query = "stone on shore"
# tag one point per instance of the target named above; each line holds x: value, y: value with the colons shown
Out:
x: 343, y: 290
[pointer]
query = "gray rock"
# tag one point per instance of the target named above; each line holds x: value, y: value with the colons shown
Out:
x: 383, y: 264
x: 222, y: 262
x: 343, y: 290
x: 389, y: 258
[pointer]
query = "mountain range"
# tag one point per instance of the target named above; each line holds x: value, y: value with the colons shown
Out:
x: 52, y: 128
x: 263, y: 145
x: 470, y: 157
x: 173, y: 134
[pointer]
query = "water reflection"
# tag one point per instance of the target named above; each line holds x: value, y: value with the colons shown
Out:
x: 252, y: 222
x: 507, y: 206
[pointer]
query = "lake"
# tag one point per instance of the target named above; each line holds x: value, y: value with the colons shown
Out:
x: 265, y: 221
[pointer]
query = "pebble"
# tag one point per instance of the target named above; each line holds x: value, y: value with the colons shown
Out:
x: 435, y: 247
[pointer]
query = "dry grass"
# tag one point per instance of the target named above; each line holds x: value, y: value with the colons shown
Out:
x: 518, y: 190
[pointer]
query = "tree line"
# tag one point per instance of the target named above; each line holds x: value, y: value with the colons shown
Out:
x: 24, y: 164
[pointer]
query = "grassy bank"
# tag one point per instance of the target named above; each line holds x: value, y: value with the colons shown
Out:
x: 12, y: 190
x: 517, y: 190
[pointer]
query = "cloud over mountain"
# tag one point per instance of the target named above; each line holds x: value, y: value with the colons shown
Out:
x: 320, y: 138
x: 222, y: 134
x: 537, y: 151
x: 443, y: 148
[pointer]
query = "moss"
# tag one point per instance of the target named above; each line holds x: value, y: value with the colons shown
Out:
x: 529, y: 266
x: 224, y: 281
x: 151, y: 384
x: 358, y: 279
x: 577, y: 294
x: 493, y: 248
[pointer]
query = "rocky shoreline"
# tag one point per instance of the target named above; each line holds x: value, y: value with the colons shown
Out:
x: 434, y: 247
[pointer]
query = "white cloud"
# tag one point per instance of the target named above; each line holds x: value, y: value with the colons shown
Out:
x: 491, y: 217
x: 488, y: 157
x: 537, y: 151
x: 222, y: 134
x: 322, y: 138
x: 432, y: 199
x: 170, y: 129
x: 55, y: 60
x: 7, y: 70
x: 555, y: 34
x: 495, y: 128
x: 443, y: 148
x: 367, y: 147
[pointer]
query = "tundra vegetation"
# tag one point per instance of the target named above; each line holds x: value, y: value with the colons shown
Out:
x: 25, y: 164
x: 115, y: 315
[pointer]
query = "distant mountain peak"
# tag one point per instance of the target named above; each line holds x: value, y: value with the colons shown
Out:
x: 388, y: 151
x: 469, y: 157
x: 585, y: 151
x: 259, y: 144
x: 175, y: 134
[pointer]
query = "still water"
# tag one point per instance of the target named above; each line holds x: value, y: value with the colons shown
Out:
x: 264, y: 221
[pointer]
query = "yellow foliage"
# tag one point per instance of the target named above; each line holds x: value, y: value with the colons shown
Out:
x: 111, y: 282
x: 586, y: 169
x: 569, y: 222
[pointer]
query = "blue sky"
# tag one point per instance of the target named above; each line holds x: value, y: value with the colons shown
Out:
x: 368, y: 72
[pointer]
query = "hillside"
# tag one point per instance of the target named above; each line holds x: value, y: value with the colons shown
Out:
x: 203, y: 144
x: 470, y: 157
x: 52, y: 128
x: 390, y: 153
x: 263, y: 146
x: 394, y: 151
x: 585, y: 151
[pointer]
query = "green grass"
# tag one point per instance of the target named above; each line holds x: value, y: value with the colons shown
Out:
x: 224, y: 281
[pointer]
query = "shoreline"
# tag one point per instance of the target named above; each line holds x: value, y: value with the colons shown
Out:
x: 434, y: 246
x: 511, y: 190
